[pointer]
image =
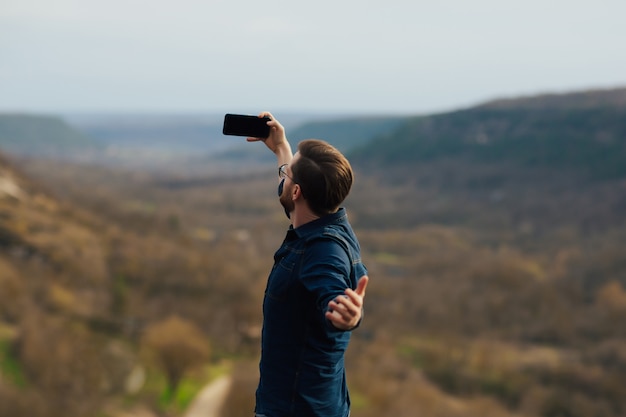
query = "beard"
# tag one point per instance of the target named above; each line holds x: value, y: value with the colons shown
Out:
x: 286, y: 201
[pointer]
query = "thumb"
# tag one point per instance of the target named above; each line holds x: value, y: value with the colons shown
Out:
x: 360, y: 288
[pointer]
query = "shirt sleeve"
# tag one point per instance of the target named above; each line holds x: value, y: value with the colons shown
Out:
x: 325, y: 272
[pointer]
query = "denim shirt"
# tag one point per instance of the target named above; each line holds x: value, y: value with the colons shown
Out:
x: 302, y: 358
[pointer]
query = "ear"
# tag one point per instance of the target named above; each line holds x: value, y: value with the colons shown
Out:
x: 296, y: 193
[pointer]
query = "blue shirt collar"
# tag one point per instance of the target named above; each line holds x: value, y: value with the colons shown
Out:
x: 340, y: 216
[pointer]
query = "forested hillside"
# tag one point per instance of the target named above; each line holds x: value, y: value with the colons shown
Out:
x: 94, y: 296
x: 582, y: 132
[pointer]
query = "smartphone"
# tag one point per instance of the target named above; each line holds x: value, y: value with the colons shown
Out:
x: 244, y: 125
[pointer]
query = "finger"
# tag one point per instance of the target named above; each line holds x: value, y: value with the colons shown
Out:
x: 357, y: 295
x: 339, y: 320
x: 273, y: 123
x: 345, y: 307
x: 336, y: 319
x: 362, y: 285
x: 275, y: 126
x: 342, y: 309
x: 354, y: 298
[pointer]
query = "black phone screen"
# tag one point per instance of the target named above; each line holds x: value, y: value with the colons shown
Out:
x: 244, y: 125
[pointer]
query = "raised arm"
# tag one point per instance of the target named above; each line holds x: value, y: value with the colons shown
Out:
x: 276, y: 141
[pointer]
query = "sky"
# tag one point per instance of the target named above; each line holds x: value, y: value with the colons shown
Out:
x: 344, y: 56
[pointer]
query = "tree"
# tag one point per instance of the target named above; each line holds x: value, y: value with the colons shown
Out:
x: 178, y: 345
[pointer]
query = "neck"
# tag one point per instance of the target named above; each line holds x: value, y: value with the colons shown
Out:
x: 301, y: 217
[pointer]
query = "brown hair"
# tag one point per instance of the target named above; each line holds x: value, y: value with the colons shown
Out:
x: 324, y: 175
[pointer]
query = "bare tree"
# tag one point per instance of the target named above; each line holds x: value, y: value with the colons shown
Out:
x: 178, y: 345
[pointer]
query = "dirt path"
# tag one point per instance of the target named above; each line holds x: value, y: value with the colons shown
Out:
x: 209, y: 401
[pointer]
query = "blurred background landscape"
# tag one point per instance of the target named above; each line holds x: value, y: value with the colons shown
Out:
x: 488, y: 140
x: 134, y: 251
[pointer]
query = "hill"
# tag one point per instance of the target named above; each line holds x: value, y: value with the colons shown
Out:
x: 346, y: 133
x: 581, y: 132
x: 38, y: 135
x: 54, y: 280
x: 614, y: 98
x: 80, y: 285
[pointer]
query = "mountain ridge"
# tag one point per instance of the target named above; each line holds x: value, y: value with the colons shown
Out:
x: 588, y: 135
x: 31, y: 134
x: 615, y: 97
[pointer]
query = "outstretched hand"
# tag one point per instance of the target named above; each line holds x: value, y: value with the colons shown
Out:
x: 344, y: 312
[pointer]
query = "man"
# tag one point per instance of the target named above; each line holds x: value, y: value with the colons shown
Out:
x: 314, y: 296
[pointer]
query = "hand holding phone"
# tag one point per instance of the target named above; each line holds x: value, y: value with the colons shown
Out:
x: 274, y: 137
x: 244, y: 125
